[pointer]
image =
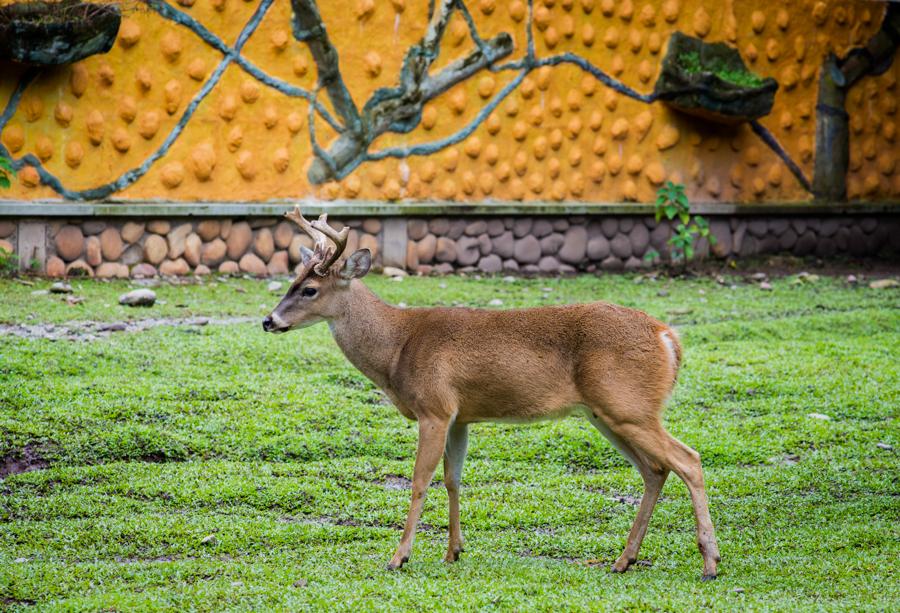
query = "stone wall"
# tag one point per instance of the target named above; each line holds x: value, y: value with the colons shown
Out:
x: 117, y: 247
x: 550, y: 245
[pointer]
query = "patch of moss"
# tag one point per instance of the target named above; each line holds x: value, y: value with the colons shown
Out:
x: 692, y: 64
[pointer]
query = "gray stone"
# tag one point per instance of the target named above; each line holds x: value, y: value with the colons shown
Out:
x: 737, y: 240
x: 446, y: 250
x: 527, y: 250
x: 484, y: 244
x: 829, y: 227
x: 659, y: 236
x: 92, y: 227
x: 722, y: 231
x: 597, y: 248
x: 620, y: 246
x: 476, y: 227
x: 265, y: 222
x: 439, y: 226
x: 426, y: 247
x: 787, y: 240
x: 806, y: 243
x: 632, y: 264
x: 595, y: 228
x: 132, y: 255
x: 842, y: 237
x: 868, y: 224
x: 503, y: 245
x: 612, y: 263
x: 551, y: 243
x: 626, y: 224
x: 826, y: 247
x: 176, y: 238
x: 416, y: 229
x: 574, y: 245
x: 758, y: 227
x: 510, y: 265
x: 490, y: 264
x: 640, y: 239
x: 779, y: 225
x: 495, y: 227
x: 522, y: 226
x: 60, y: 287
x: 541, y: 227
x: 799, y: 225
x: 144, y: 297
x: 444, y: 268
x: 529, y: 270
x: 749, y: 246
x: 560, y: 225
x: 548, y: 264
x: 858, y: 244
x: 456, y: 229
x: 372, y: 225
x: 467, y: 251
x: 610, y: 226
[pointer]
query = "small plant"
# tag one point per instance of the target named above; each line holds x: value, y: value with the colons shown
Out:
x: 692, y: 64
x: 6, y: 172
x: 9, y: 263
x: 672, y: 203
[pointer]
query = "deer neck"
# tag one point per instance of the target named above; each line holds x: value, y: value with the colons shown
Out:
x: 369, y: 332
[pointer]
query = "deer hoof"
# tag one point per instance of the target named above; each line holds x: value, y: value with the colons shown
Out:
x: 620, y: 565
x: 708, y: 577
x: 397, y: 564
x: 452, y: 556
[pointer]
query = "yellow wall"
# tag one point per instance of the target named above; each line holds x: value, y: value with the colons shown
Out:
x: 552, y: 139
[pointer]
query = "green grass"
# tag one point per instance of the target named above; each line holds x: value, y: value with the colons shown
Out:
x: 290, y: 457
x: 692, y: 64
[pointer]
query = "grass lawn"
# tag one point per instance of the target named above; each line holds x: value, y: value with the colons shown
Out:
x: 208, y: 467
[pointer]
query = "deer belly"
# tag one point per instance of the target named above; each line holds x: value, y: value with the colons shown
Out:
x: 517, y: 398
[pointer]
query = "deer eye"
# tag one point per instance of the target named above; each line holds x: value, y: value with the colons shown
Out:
x: 309, y: 292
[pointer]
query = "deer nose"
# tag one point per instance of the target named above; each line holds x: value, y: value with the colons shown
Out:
x: 267, y: 323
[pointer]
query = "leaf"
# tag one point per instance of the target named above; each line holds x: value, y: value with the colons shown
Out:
x: 671, y: 210
x: 4, y: 181
x: 6, y: 164
x: 684, y: 216
x: 688, y: 252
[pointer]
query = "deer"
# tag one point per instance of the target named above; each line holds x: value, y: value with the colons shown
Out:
x: 447, y: 368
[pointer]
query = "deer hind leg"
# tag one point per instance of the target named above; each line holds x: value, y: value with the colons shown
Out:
x: 654, y: 477
x: 454, y: 456
x: 432, y: 439
x: 664, y: 452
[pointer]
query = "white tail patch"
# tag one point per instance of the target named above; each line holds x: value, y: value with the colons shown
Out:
x: 668, y: 340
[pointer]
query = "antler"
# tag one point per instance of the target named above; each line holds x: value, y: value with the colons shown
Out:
x: 319, y: 230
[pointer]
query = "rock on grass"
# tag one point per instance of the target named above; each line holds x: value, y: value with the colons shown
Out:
x: 138, y: 297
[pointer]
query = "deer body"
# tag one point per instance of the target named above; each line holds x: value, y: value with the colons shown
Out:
x: 448, y: 367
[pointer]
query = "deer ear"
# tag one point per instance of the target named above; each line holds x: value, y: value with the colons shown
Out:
x: 305, y: 254
x: 357, y: 265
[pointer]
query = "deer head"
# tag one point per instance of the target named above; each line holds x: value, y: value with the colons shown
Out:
x: 317, y: 294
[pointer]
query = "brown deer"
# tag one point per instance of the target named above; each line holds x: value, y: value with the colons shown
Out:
x: 449, y: 367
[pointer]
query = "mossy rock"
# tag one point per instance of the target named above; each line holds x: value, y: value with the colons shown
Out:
x: 54, y: 33
x: 710, y: 80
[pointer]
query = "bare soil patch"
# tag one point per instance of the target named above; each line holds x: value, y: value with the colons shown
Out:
x: 95, y: 330
x: 22, y: 461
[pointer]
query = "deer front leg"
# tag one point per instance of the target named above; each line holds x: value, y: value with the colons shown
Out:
x: 432, y: 438
x: 454, y: 456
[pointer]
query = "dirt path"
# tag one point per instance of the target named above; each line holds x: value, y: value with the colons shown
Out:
x: 95, y: 330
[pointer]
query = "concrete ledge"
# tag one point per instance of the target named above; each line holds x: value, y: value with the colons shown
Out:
x: 356, y: 208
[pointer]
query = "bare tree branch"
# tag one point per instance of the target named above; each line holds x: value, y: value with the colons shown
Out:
x: 308, y: 28
x: 397, y: 109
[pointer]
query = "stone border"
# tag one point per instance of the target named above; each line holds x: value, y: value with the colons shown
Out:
x: 530, y: 244
x: 358, y: 208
